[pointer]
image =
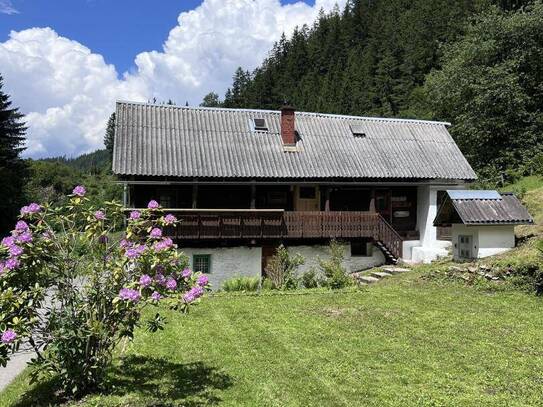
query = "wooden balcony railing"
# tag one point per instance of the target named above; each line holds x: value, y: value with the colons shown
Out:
x: 201, y: 224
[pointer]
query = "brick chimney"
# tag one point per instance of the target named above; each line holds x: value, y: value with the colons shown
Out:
x: 288, y: 130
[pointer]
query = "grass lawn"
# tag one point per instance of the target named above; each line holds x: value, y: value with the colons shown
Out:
x: 405, y: 341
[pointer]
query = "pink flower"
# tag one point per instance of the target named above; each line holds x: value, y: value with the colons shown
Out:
x: 153, y: 204
x: 145, y: 280
x: 156, y: 296
x: 34, y: 208
x: 169, y: 219
x: 134, y: 215
x: 156, y: 233
x: 79, y: 191
x: 160, y: 279
x: 171, y: 284
x: 21, y: 226
x: 12, y: 263
x: 99, y: 215
x: 131, y: 253
x: 15, y: 251
x: 186, y: 273
x: 193, y: 294
x: 202, y: 281
x: 30, y: 209
x: 164, y: 244
x: 125, y: 244
x: 25, y: 237
x: 8, y: 241
x: 8, y: 336
x: 129, y: 294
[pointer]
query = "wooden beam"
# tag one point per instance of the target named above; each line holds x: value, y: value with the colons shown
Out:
x: 327, y: 200
x: 194, y: 196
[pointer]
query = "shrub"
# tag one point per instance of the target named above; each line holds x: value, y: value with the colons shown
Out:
x: 282, y: 268
x: 335, y: 274
x: 310, y: 279
x: 248, y: 284
x: 73, y: 289
x: 267, y: 284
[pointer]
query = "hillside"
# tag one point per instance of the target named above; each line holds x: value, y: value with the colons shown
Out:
x: 530, y: 190
x: 475, y: 64
x: 94, y: 162
x: 51, y: 179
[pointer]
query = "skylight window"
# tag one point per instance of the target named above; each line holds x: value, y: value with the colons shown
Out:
x: 260, y: 124
x: 358, y: 130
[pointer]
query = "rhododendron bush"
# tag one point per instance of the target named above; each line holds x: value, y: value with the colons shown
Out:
x: 72, y: 286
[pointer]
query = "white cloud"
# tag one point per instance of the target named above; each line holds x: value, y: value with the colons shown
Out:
x: 68, y: 92
x: 6, y: 7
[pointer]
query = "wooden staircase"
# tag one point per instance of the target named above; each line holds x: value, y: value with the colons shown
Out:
x: 390, y: 257
x: 388, y: 240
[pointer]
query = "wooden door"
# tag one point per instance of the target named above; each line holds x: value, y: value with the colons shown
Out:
x: 267, y: 253
x: 465, y: 246
x: 382, y: 203
x: 307, y: 198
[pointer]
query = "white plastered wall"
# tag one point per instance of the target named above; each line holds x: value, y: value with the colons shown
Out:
x: 487, y: 240
x: 228, y: 262
x: 313, y: 254
x: 428, y: 247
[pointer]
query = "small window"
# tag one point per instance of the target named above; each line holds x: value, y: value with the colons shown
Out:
x: 361, y: 248
x: 358, y: 130
x: 260, y: 124
x: 201, y: 263
x: 308, y: 192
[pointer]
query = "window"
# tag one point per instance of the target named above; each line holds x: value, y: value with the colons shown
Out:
x: 260, y: 124
x: 358, y: 130
x: 308, y: 192
x: 361, y: 248
x: 381, y: 203
x: 201, y: 263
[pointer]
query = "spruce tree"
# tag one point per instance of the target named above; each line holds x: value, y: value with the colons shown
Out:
x: 211, y: 100
x: 13, y: 169
x: 109, y: 137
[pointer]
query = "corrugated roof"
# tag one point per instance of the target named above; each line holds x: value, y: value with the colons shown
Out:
x: 483, y: 211
x: 163, y: 140
x: 473, y: 194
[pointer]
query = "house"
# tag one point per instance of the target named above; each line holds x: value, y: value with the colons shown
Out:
x: 243, y: 181
x: 482, y: 222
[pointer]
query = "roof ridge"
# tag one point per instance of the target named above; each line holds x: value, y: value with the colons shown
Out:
x: 317, y: 114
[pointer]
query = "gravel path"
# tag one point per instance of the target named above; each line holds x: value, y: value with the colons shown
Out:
x: 15, y: 366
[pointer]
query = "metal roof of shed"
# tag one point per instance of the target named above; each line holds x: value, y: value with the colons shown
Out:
x: 482, y: 208
x: 173, y: 141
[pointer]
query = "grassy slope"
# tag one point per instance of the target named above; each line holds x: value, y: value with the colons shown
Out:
x: 531, y: 189
x: 405, y: 341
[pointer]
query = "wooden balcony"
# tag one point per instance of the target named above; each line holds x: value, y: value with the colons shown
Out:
x: 201, y: 224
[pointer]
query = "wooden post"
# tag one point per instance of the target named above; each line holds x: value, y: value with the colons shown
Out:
x: 372, y: 200
x: 253, y: 196
x: 327, y: 199
x: 194, y: 196
x: 125, y: 195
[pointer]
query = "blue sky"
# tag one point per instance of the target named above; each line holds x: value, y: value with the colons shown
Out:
x: 65, y: 62
x: 116, y: 29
